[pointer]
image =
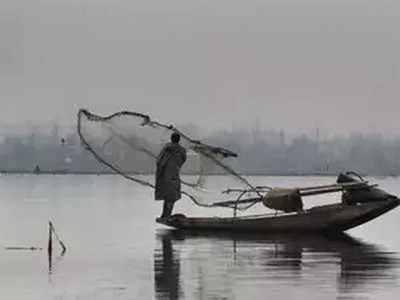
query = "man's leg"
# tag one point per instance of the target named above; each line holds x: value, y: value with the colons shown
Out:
x: 167, y: 208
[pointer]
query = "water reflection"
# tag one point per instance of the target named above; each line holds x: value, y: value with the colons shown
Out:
x: 207, y: 266
x: 166, y: 269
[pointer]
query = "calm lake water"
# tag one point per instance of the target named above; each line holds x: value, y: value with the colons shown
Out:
x: 117, y: 251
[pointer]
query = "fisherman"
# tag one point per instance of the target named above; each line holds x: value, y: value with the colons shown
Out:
x: 168, y: 183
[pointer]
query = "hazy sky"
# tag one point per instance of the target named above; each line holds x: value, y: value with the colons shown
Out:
x: 293, y: 64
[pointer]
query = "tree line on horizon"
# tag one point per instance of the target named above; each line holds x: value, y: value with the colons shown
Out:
x: 260, y: 152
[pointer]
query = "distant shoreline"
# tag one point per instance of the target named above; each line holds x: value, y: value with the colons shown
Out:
x: 66, y: 172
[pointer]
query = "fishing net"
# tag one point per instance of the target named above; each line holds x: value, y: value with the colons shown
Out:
x: 129, y: 143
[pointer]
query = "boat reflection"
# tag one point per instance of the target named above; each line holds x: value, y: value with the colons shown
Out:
x: 215, y: 266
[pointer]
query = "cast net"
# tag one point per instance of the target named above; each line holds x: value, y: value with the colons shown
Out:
x: 129, y: 143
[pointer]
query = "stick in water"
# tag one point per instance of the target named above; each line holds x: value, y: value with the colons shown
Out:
x: 51, y: 232
x: 23, y: 248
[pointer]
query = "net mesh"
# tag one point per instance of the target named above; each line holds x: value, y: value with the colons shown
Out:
x: 129, y: 143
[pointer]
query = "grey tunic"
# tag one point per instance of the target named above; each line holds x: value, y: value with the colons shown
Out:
x: 169, y: 163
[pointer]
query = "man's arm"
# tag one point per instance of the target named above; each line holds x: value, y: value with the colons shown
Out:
x: 162, y: 159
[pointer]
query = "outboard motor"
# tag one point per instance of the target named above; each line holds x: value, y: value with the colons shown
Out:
x: 360, y: 193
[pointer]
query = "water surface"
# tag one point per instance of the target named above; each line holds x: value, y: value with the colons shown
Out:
x: 117, y: 251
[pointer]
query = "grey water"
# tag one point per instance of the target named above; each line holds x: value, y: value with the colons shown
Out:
x: 115, y: 250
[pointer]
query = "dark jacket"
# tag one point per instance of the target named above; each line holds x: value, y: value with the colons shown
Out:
x: 169, y: 163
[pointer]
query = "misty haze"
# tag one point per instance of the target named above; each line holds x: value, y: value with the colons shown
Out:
x: 263, y: 152
x: 293, y: 65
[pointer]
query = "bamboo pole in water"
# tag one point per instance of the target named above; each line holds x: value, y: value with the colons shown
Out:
x: 52, y: 232
x: 50, y: 242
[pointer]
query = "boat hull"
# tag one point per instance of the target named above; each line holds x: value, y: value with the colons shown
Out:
x: 327, y: 218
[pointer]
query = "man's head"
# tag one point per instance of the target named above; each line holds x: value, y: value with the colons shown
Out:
x: 175, y: 138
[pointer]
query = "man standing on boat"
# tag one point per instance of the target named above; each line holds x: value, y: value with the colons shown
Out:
x: 168, y: 183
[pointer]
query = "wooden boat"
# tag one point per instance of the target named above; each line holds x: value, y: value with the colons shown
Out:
x: 361, y: 202
x: 327, y: 218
